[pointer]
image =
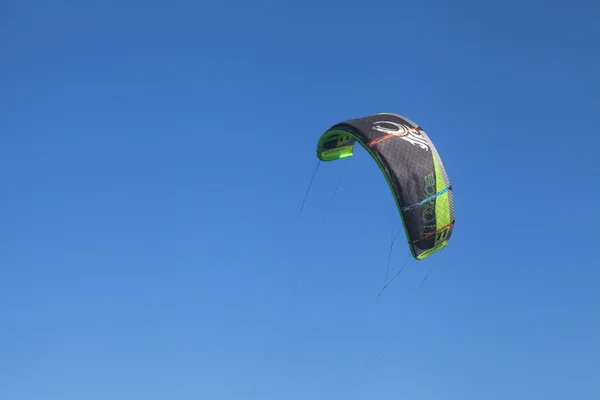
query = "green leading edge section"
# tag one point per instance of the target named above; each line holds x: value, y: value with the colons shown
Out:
x: 412, y: 168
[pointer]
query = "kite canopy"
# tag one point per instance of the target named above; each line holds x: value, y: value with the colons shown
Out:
x: 412, y: 168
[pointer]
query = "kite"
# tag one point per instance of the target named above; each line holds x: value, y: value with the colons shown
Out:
x: 413, y: 169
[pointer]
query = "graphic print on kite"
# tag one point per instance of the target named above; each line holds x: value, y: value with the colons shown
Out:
x: 412, y: 168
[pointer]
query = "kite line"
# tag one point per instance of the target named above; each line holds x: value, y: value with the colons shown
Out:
x: 310, y: 185
x: 384, y: 343
x: 300, y: 274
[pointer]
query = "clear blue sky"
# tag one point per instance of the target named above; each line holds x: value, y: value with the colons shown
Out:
x: 154, y: 155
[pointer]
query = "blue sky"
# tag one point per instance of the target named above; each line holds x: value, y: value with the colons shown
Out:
x: 154, y: 155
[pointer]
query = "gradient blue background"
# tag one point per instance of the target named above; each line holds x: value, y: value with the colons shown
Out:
x: 154, y: 155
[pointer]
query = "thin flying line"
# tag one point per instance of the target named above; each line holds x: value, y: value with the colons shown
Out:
x: 298, y: 280
x: 309, y: 186
x: 394, y: 277
x: 383, y: 345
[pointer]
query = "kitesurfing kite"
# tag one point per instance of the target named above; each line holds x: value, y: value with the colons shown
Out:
x: 412, y: 168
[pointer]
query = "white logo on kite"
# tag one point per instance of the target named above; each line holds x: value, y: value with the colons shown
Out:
x: 411, y: 135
